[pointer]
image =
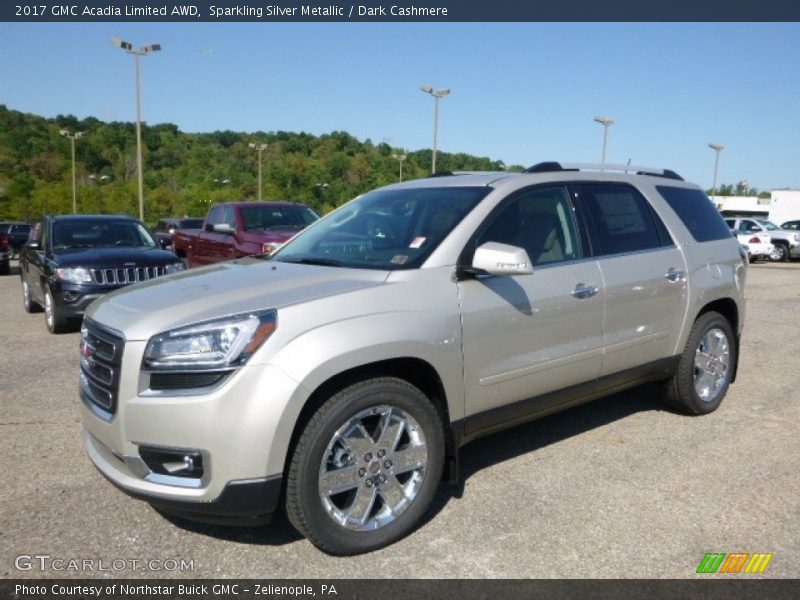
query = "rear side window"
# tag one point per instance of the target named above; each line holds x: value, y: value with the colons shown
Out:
x: 697, y: 212
x: 622, y: 219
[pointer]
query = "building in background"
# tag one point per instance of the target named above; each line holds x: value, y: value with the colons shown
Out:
x: 781, y: 206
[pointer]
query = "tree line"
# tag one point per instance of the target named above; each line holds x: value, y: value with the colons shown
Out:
x: 185, y: 172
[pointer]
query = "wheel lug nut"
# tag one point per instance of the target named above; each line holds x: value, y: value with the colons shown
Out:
x: 382, y: 478
x: 370, y: 483
x: 362, y: 472
x: 368, y: 457
x: 387, y: 464
x: 381, y: 453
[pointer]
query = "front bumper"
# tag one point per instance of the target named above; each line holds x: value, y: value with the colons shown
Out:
x: 239, y: 430
x: 246, y: 502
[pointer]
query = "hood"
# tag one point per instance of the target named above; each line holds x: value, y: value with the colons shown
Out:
x: 228, y: 288
x: 113, y: 257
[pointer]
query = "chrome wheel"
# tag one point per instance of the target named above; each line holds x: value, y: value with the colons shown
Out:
x: 779, y: 253
x: 373, y: 468
x: 49, y: 316
x: 711, y: 365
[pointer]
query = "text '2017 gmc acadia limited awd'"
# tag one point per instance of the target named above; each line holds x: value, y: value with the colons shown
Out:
x: 340, y: 377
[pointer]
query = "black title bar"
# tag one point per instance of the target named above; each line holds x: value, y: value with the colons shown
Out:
x: 398, y: 11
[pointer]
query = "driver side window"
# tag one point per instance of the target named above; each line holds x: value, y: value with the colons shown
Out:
x: 539, y: 220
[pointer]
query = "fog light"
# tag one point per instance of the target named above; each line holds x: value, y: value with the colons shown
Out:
x: 173, y: 462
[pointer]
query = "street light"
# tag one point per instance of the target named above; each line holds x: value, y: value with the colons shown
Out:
x: 717, y: 148
x: 606, y: 123
x: 128, y: 47
x: 400, y: 157
x: 260, y: 148
x: 72, y: 137
x: 438, y: 95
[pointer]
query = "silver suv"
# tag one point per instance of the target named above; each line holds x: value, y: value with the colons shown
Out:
x: 340, y: 377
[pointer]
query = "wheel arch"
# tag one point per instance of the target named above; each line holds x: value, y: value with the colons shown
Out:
x: 416, y: 371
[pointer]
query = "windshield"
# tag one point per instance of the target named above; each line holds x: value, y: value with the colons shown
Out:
x: 90, y: 234
x: 384, y: 229
x: 769, y: 225
x: 265, y: 218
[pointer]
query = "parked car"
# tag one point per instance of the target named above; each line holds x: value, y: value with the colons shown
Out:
x: 166, y: 228
x: 72, y: 260
x: 341, y: 376
x: 785, y: 242
x: 17, y: 233
x: 235, y: 229
x: 758, y: 246
x: 791, y: 225
x: 5, y: 255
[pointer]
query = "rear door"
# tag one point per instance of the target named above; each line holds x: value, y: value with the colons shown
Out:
x: 644, y: 274
x: 527, y: 336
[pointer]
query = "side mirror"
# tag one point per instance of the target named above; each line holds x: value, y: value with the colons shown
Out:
x: 222, y: 228
x: 499, y: 259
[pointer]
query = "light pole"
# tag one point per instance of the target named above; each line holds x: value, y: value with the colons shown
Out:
x: 99, y: 180
x: 717, y: 148
x: 128, y: 47
x: 260, y: 148
x: 72, y: 137
x: 606, y: 123
x: 400, y: 157
x: 437, y: 95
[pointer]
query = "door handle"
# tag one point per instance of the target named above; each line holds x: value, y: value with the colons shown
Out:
x: 582, y: 291
x: 675, y: 274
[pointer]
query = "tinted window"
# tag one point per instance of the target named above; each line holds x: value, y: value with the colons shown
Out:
x: 541, y: 221
x: 75, y: 233
x: 621, y: 218
x: 697, y: 212
x: 264, y: 218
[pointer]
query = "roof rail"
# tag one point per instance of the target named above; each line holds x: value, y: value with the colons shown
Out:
x: 549, y: 167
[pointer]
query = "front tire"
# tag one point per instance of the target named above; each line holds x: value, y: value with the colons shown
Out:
x: 27, y: 302
x: 706, y: 366
x: 780, y: 253
x: 55, y: 323
x: 366, y: 467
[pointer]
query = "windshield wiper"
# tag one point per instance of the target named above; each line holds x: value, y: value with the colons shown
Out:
x: 311, y: 260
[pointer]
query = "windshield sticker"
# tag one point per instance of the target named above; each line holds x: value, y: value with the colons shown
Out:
x: 417, y: 242
x: 399, y: 259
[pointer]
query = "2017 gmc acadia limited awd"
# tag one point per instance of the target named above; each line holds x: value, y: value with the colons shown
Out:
x: 339, y: 377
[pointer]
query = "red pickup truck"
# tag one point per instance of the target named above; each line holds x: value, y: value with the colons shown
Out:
x: 235, y: 229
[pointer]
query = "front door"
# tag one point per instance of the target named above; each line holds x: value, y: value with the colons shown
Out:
x: 525, y: 336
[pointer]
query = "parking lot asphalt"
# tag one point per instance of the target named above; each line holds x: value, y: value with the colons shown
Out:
x: 619, y: 488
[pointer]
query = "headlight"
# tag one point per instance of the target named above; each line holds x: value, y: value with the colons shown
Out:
x: 74, y: 275
x: 174, y: 268
x: 217, y: 344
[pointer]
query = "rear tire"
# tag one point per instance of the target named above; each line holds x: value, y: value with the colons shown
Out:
x: 366, y: 467
x: 705, y: 369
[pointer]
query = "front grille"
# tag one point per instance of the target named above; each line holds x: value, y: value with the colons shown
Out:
x: 126, y: 276
x: 101, y: 358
